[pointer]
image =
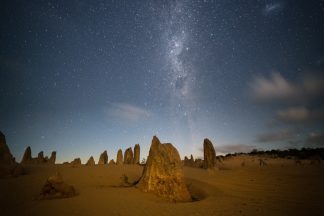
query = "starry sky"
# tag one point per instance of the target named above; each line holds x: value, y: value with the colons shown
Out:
x: 81, y: 77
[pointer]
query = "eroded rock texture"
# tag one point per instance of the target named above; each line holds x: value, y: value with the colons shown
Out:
x: 163, y: 174
x: 8, y: 165
x: 91, y: 162
x: 119, y: 157
x: 55, y: 188
x: 209, y: 155
x: 137, y: 150
x: 128, y: 156
x: 103, y: 158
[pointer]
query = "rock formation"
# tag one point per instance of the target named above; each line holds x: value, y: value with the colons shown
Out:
x: 55, y: 188
x: 137, y: 150
x: 103, y: 158
x: 52, y: 158
x: 40, y: 159
x: 17, y: 170
x: 111, y: 162
x: 163, y: 174
x: 119, y: 157
x: 27, y: 158
x: 76, y: 161
x: 128, y: 156
x: 5, y: 154
x: 209, y: 155
x: 189, y: 162
x: 91, y: 162
x: 199, y: 163
x: 8, y: 165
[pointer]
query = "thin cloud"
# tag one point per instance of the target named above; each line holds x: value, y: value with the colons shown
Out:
x: 274, y: 88
x: 128, y: 112
x: 301, y: 114
x: 273, y: 8
x: 294, y: 114
x: 315, y: 139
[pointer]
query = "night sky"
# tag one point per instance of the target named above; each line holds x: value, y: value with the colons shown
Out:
x: 81, y: 77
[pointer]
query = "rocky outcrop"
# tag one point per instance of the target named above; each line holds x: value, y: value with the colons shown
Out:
x: 76, y: 161
x: 199, y: 163
x: 52, y: 158
x: 40, y: 159
x: 119, y: 157
x: 17, y: 170
x: 8, y: 165
x: 91, y: 162
x: 111, y: 162
x: 5, y: 154
x: 163, y: 174
x: 103, y: 159
x: 137, y: 150
x: 55, y: 188
x: 209, y: 155
x: 189, y: 162
x: 27, y: 158
x: 128, y: 156
x: 11, y: 170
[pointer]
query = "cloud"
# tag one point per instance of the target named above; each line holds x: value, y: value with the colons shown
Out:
x: 277, y: 136
x: 128, y: 112
x: 294, y: 114
x: 301, y: 114
x: 276, y: 87
x: 315, y: 139
x: 235, y: 148
x: 272, y: 8
x: 313, y: 85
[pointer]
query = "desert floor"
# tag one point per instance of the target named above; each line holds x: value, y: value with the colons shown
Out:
x: 280, y: 188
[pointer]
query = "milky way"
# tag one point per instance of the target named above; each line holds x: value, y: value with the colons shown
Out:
x: 180, y: 69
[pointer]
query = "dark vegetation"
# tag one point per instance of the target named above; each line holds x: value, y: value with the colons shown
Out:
x: 304, y: 153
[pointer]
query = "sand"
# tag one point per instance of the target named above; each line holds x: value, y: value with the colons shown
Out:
x: 280, y: 188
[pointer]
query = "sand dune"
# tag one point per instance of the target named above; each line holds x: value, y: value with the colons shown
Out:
x: 280, y: 188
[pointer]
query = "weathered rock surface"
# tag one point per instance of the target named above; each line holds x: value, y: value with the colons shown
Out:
x: 119, y: 157
x: 5, y: 154
x: 17, y: 170
x: 209, y: 155
x: 52, y: 158
x: 8, y: 165
x: 163, y: 174
x: 76, y: 161
x: 189, y: 162
x: 137, y: 150
x: 128, y: 156
x: 27, y: 158
x: 55, y: 188
x: 91, y: 162
x: 11, y: 170
x: 199, y: 163
x: 103, y: 159
x: 111, y: 162
x: 40, y: 159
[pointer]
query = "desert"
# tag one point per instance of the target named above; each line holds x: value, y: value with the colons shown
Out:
x: 238, y: 185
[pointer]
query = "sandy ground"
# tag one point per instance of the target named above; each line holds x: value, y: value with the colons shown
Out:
x: 280, y: 188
